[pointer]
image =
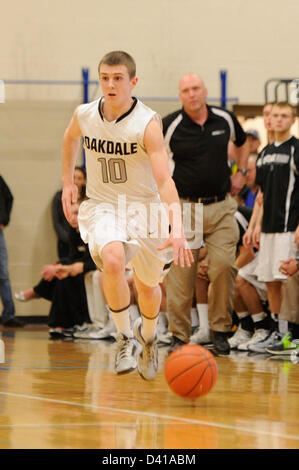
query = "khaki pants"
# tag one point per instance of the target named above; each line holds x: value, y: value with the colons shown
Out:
x: 290, y: 303
x: 221, y: 234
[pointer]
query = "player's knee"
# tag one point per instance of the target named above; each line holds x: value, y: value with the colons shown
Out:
x: 240, y: 283
x: 113, y: 261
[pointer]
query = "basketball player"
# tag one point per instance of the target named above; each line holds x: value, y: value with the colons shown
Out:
x: 278, y: 178
x: 126, y: 165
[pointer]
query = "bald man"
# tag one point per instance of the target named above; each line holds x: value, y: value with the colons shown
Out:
x: 197, y: 138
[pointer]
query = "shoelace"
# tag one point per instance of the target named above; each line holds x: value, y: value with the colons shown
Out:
x: 125, y: 349
x: 150, y: 353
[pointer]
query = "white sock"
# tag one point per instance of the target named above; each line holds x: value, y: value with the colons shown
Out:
x: 148, y: 328
x: 258, y: 317
x: 283, y: 326
x: 194, y: 317
x: 202, y: 310
x: 122, y: 322
x: 242, y: 315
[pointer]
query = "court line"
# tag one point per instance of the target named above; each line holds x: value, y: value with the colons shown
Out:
x: 155, y: 415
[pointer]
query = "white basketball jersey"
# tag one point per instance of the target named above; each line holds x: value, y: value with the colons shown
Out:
x: 116, y: 161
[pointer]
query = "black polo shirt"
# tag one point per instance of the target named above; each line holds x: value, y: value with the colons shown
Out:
x: 199, y: 153
x: 277, y: 174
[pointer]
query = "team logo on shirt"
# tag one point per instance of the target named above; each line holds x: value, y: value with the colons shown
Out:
x: 218, y: 132
x: 109, y: 147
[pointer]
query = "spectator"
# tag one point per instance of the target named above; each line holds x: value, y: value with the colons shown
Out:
x: 254, y: 141
x: 60, y: 223
x: 63, y: 285
x: 8, y: 313
x: 197, y: 138
x: 249, y: 192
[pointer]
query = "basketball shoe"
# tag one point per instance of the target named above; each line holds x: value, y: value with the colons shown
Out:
x: 268, y: 342
x: 239, y: 337
x: 258, y: 336
x: 147, y: 361
x: 126, y: 354
x: 285, y: 346
x: 200, y: 336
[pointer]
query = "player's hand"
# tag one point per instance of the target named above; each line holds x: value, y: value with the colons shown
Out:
x: 256, y: 236
x: 247, y: 238
x: 289, y: 267
x: 202, y: 269
x: 182, y: 253
x: 69, y: 197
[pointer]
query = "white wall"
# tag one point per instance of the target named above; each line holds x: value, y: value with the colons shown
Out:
x: 253, y: 41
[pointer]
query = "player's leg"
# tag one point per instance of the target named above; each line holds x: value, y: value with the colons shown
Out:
x: 149, y: 300
x: 117, y: 293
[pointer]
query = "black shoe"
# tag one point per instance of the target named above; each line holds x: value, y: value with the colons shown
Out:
x: 220, y: 344
x: 14, y: 322
x: 175, y: 343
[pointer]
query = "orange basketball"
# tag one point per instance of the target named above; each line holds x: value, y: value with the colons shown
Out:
x: 191, y: 371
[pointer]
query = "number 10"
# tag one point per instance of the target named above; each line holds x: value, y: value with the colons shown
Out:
x: 115, y: 171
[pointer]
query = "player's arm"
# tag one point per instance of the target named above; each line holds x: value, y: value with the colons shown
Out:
x: 154, y: 145
x: 255, y: 217
x: 70, y: 147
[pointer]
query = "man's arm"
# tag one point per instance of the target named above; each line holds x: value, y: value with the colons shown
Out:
x: 154, y: 145
x: 70, y: 147
x: 241, y: 155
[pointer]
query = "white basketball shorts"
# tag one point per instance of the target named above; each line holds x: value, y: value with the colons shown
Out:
x: 103, y: 223
x: 247, y: 272
x: 274, y: 248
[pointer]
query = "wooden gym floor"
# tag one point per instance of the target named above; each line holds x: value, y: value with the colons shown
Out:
x: 65, y: 395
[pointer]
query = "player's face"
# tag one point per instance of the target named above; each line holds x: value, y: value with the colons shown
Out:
x: 116, y: 83
x: 282, y: 119
x: 192, y: 93
x: 267, y: 117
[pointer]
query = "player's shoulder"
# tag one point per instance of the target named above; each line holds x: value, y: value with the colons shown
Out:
x: 86, y: 107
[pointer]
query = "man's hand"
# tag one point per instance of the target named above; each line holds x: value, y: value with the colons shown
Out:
x: 289, y: 267
x: 247, y: 238
x: 49, y: 272
x: 182, y: 254
x: 69, y: 197
x: 256, y: 236
x: 202, y: 268
x: 66, y: 270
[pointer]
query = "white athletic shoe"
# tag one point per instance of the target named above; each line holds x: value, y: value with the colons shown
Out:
x: 271, y: 339
x: 105, y: 332
x: 126, y: 354
x: 240, y: 336
x: 200, y: 337
x: 147, y: 360
x: 258, y: 336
